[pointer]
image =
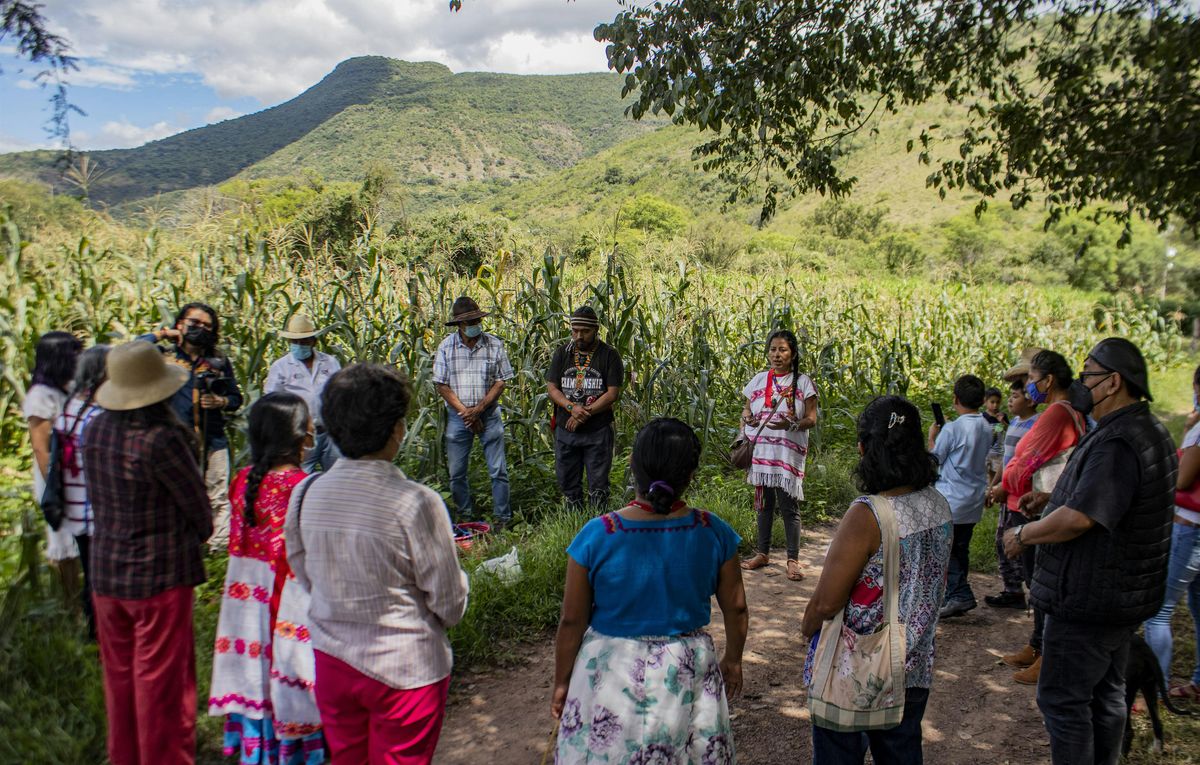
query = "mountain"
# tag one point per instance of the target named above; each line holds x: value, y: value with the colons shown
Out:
x: 430, y: 125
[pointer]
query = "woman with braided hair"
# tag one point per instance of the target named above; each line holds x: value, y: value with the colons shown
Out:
x: 263, y: 672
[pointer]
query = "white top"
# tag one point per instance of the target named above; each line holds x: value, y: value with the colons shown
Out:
x: 70, y: 426
x: 290, y: 375
x: 377, y: 552
x: 779, y: 455
x: 1191, y: 438
x: 47, y: 403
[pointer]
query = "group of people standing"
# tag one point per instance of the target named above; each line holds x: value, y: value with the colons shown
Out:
x: 341, y: 583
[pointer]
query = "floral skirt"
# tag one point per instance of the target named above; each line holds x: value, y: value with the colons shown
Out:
x: 646, y: 701
x: 257, y: 742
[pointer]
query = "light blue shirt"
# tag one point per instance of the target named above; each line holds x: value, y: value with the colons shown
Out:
x: 289, y: 374
x: 962, y: 449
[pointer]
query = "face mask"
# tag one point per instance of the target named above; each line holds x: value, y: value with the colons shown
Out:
x: 1033, y: 394
x: 200, y: 337
x: 301, y: 352
x: 473, y: 331
x: 1081, y: 395
x: 1196, y: 402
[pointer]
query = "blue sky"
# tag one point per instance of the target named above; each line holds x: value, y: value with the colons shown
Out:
x: 152, y: 68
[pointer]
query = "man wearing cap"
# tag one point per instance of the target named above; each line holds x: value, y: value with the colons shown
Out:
x: 152, y: 516
x: 584, y: 382
x: 1102, y: 548
x: 470, y: 370
x: 304, y: 372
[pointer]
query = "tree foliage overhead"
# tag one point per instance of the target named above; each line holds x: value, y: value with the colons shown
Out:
x: 24, y: 23
x: 1079, y: 102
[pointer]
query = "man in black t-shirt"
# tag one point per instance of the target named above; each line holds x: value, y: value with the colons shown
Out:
x: 584, y: 381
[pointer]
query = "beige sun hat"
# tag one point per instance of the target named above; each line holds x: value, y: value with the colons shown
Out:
x: 300, y: 327
x: 1021, y: 369
x: 138, y: 376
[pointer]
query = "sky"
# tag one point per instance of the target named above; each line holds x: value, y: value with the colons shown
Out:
x: 152, y: 68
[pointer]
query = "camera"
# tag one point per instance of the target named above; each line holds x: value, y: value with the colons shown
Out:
x: 208, y: 382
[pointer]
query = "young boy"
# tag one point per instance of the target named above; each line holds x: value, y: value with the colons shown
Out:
x: 999, y: 421
x: 961, y: 448
x: 1024, y: 413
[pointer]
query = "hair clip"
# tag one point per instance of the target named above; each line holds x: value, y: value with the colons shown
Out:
x: 894, y: 420
x: 664, y: 486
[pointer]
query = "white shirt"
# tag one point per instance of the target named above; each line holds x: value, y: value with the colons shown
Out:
x: 290, y: 375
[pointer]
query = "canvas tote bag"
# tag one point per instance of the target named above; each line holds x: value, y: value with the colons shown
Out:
x: 1046, y: 477
x: 858, y: 680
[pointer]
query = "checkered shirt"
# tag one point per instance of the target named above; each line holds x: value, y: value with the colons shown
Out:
x: 471, y: 372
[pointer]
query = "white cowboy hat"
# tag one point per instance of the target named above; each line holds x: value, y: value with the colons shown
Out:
x: 138, y: 376
x: 300, y: 327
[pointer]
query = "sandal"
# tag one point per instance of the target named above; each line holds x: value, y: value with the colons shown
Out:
x: 1189, y: 691
x: 793, y: 570
x: 758, y: 561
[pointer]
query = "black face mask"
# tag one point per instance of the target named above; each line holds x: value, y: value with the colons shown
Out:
x: 200, y: 337
x: 1081, y: 397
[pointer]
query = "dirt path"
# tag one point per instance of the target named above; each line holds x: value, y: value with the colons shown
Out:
x: 976, y: 714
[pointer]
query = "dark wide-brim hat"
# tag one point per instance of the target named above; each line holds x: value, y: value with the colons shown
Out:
x: 464, y: 309
x: 1116, y: 354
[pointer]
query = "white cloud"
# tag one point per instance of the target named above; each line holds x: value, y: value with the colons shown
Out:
x: 12, y: 143
x: 100, y: 76
x: 122, y: 134
x: 272, y: 50
x: 220, y: 114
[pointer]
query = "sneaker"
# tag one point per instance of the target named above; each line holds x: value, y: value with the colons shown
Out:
x: 955, y: 608
x: 1022, y: 658
x: 1006, y: 600
x: 1029, y: 675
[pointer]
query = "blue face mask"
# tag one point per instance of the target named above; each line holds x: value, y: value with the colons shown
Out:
x: 301, y: 352
x: 473, y: 331
x: 1196, y: 402
x: 1033, y: 394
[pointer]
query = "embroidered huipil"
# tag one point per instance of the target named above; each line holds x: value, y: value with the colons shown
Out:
x: 779, y: 455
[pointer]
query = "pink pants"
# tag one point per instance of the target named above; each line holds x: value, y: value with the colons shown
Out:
x: 148, y: 656
x: 366, y: 721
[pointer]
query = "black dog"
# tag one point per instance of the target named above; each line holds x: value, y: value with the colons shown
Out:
x: 1142, y: 673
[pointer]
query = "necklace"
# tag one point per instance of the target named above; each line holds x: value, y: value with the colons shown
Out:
x: 582, y: 362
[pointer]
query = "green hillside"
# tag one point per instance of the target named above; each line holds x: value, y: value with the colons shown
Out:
x: 430, y: 125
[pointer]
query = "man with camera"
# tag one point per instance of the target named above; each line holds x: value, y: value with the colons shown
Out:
x: 211, y: 393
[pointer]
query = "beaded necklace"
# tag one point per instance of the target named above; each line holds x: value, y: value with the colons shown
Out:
x: 582, y: 362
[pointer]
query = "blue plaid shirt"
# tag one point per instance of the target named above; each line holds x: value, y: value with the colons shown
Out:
x: 471, y: 372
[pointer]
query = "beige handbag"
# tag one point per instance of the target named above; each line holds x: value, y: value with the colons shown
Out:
x: 1046, y: 477
x: 858, y: 680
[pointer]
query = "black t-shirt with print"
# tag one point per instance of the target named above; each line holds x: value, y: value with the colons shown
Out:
x: 603, y: 371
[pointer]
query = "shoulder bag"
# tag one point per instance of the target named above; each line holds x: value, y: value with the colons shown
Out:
x: 1188, y: 499
x: 858, y: 680
x: 741, y: 451
x: 1046, y: 477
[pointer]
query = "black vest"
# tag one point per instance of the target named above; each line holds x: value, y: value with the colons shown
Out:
x: 1116, y: 578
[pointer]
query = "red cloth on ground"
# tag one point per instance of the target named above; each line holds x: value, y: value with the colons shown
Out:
x: 1056, y: 430
x: 366, y: 721
x: 147, y: 653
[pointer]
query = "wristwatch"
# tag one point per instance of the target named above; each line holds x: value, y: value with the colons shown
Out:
x: 1017, y: 535
x: 570, y: 407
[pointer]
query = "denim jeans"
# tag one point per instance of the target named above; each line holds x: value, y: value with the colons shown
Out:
x: 1010, y: 568
x: 1081, y: 690
x: 894, y: 746
x: 323, y: 453
x: 459, y: 439
x: 1183, y: 575
x: 1028, y: 564
x: 957, y: 586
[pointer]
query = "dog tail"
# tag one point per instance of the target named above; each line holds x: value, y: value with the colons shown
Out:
x: 1164, y: 695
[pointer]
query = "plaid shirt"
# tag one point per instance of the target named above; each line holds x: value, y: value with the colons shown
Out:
x: 471, y: 372
x: 151, y: 509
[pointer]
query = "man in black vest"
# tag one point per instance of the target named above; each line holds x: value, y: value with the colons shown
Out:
x: 1102, y: 555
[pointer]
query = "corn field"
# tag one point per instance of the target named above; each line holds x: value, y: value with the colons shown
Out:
x: 691, y: 338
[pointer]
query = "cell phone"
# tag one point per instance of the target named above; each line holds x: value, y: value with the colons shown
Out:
x: 938, y: 417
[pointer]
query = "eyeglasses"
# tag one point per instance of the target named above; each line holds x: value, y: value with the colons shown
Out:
x: 1105, y: 373
x: 198, y: 323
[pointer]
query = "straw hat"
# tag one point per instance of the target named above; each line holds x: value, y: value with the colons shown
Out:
x: 138, y: 376
x: 464, y: 309
x: 300, y: 327
x: 1022, y: 367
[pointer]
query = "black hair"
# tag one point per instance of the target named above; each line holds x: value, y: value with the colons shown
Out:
x: 1018, y: 384
x: 665, y: 454
x: 276, y: 428
x: 212, y: 314
x: 54, y: 359
x: 893, y: 447
x: 361, y: 405
x: 992, y: 393
x: 158, y: 415
x: 1052, y: 363
x: 90, y: 370
x: 790, y: 338
x: 968, y: 389
x: 1196, y: 377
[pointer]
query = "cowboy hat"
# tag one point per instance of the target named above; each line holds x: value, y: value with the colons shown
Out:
x: 1021, y: 369
x: 138, y: 376
x: 464, y: 309
x: 300, y: 327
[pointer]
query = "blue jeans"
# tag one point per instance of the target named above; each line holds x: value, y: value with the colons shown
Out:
x: 1183, y: 575
x: 323, y: 453
x: 1081, y: 690
x: 894, y: 746
x: 459, y: 439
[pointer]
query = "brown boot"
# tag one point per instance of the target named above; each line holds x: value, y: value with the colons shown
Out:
x: 1021, y: 659
x: 1029, y: 675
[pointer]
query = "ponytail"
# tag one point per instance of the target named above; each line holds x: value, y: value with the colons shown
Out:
x: 666, y: 452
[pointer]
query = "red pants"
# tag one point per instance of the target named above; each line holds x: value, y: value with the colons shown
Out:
x: 149, y: 660
x: 366, y: 721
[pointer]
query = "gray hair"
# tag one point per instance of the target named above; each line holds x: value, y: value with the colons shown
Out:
x: 91, y: 369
